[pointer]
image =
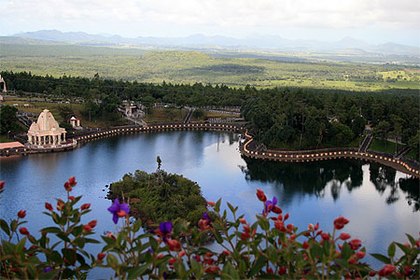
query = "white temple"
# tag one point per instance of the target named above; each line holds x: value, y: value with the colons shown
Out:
x: 46, y: 132
x: 2, y: 81
x: 75, y: 122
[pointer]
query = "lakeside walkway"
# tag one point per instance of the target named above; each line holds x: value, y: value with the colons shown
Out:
x: 249, y: 149
x: 248, y: 146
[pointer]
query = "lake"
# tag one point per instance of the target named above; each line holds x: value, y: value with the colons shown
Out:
x: 381, y: 203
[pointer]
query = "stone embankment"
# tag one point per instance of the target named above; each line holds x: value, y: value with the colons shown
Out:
x: 249, y: 149
x: 157, y: 128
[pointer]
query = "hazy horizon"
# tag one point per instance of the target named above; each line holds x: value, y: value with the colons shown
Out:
x: 375, y: 22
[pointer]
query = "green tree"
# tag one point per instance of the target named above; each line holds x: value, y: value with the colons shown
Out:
x: 8, y: 119
x: 382, y: 129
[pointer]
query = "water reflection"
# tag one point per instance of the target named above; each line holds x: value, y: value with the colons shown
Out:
x: 315, y: 178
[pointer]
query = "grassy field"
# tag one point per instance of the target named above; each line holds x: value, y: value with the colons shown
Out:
x: 192, y: 66
x: 37, y: 107
x: 5, y: 139
x: 382, y: 146
x: 161, y: 115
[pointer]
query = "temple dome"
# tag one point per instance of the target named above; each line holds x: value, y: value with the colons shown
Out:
x: 46, y: 131
x: 46, y: 121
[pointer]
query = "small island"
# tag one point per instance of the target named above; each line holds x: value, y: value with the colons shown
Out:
x: 160, y: 196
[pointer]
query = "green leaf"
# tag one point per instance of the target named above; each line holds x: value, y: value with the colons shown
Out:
x: 20, y: 245
x: 342, y: 262
x: 51, y: 229
x: 135, y: 272
x: 76, y: 231
x: 137, y: 225
x: 13, y: 225
x: 69, y: 254
x: 8, y: 247
x: 403, y: 248
x: 63, y: 236
x: 316, y: 251
x: 232, y: 208
x: 412, y: 240
x: 112, y: 261
x: 217, y: 236
x: 346, y: 252
x: 91, y: 240
x: 81, y: 259
x: 229, y: 272
x: 264, y: 223
x: 391, y: 250
x: 217, y: 206
x: 153, y: 243
x: 80, y: 242
x: 55, y: 257
x: 68, y: 273
x: 381, y: 258
x: 261, y: 261
x: 109, y: 240
x: 5, y: 226
x: 195, y: 266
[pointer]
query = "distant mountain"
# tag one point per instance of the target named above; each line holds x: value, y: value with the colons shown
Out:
x: 276, y: 43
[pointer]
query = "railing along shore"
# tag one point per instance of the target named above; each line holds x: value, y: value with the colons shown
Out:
x: 248, y: 147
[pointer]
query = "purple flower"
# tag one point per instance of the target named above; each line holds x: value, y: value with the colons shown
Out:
x: 206, y: 217
x: 269, y: 205
x: 165, y: 227
x: 118, y: 210
x: 47, y: 269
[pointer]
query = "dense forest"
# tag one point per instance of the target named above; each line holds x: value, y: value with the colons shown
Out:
x: 302, y: 119
x: 279, y: 117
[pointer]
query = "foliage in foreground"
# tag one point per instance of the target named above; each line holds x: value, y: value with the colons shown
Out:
x: 268, y: 248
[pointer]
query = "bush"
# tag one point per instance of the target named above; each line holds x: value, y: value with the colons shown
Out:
x: 268, y: 248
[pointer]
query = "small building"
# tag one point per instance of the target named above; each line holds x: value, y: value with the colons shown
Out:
x: 3, y: 86
x: 75, y: 122
x: 45, y: 132
x: 132, y: 110
x: 11, y: 148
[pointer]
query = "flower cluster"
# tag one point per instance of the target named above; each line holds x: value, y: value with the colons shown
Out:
x: 271, y: 247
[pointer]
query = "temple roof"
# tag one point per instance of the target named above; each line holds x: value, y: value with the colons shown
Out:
x: 45, y: 123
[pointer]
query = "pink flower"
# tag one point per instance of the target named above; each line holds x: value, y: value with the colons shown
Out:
x: 211, y: 203
x: 92, y: 223
x: 72, y: 181
x: 361, y: 254
x: 340, y: 222
x: 355, y: 244
x: 87, y: 228
x: 174, y: 245
x: 21, y: 214
x: 325, y: 236
x: 386, y: 270
x: 85, y: 206
x: 344, y: 236
x: 101, y: 256
x: 261, y: 195
x: 24, y: 231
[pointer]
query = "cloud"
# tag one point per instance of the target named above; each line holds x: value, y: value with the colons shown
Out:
x: 211, y: 14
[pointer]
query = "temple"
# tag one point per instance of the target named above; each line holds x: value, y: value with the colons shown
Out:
x: 46, y: 132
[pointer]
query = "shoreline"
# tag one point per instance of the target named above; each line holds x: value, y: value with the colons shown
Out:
x: 244, y: 148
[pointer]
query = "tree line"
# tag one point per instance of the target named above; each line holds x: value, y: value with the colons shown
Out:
x: 280, y: 117
x: 299, y: 118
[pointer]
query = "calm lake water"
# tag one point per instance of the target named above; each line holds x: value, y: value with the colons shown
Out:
x: 381, y: 204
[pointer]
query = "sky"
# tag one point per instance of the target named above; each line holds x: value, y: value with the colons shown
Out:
x: 374, y: 21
